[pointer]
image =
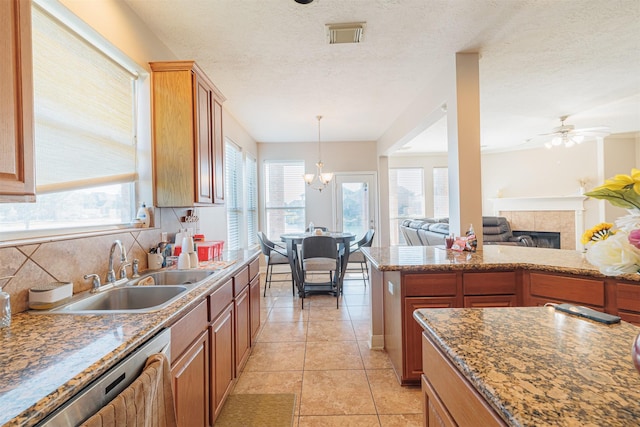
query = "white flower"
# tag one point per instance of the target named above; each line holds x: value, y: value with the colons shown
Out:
x: 629, y: 222
x: 615, y: 255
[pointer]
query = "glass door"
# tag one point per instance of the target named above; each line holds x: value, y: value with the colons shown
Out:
x: 355, y: 204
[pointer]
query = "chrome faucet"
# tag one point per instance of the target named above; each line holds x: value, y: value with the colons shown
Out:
x: 111, y: 274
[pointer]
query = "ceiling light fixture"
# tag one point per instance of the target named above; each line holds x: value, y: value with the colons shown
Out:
x: 303, y: 1
x: 322, y: 178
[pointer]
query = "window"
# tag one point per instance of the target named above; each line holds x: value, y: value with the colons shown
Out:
x: 440, y: 192
x: 233, y: 179
x: 406, y: 199
x: 251, y: 172
x: 284, y: 197
x: 85, y: 132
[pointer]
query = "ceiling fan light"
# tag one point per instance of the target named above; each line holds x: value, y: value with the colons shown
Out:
x: 569, y: 143
x: 548, y: 145
x: 556, y: 141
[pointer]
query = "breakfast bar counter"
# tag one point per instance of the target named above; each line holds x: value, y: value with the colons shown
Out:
x: 533, y: 366
x: 406, y: 278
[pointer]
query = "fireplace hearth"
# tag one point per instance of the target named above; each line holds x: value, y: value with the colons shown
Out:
x: 542, y: 239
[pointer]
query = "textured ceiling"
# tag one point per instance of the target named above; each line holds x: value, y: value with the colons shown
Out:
x: 540, y: 59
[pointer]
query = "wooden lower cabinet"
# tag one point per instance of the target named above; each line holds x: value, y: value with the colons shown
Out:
x: 190, y: 378
x: 448, y: 397
x: 412, y: 366
x: 480, y: 301
x: 627, y: 297
x: 254, y: 306
x: 221, y: 335
x: 243, y: 328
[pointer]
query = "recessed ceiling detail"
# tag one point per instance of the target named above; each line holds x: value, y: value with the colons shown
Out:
x: 345, y: 33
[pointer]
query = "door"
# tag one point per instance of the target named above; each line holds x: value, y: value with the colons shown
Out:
x: 355, y: 202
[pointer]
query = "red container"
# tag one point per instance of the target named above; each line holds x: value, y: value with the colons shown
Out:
x: 177, y: 250
x: 219, y: 244
x: 206, y: 251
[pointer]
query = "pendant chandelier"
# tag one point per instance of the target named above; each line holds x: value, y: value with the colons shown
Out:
x: 319, y: 180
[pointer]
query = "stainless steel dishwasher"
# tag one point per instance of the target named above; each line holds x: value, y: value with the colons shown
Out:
x: 100, y: 392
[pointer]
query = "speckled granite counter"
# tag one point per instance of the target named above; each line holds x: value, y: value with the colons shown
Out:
x: 435, y: 258
x: 537, y: 367
x: 46, y: 359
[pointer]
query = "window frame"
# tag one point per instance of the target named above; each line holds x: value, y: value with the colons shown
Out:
x: 300, y: 209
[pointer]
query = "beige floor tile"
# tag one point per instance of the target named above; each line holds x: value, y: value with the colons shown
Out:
x: 356, y: 298
x: 390, y: 396
x: 328, y: 313
x: 332, y: 355
x: 336, y: 393
x: 406, y: 420
x: 330, y: 331
x: 362, y: 329
x: 374, y: 359
x: 271, y: 382
x: 321, y: 301
x: 360, y: 312
x: 283, y: 331
x: 285, y: 301
x: 288, y: 314
x: 339, y: 421
x: 276, y: 356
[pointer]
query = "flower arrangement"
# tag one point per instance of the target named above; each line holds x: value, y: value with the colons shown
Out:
x: 617, y: 252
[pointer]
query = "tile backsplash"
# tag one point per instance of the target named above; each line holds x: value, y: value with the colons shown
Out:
x: 69, y: 259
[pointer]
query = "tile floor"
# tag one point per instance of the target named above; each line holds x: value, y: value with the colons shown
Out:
x: 321, y: 354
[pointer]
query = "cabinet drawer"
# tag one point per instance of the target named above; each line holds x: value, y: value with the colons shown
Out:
x: 254, y: 268
x: 185, y: 330
x: 478, y: 301
x: 568, y: 289
x: 628, y: 297
x: 240, y: 280
x: 429, y: 285
x: 219, y: 299
x: 490, y: 283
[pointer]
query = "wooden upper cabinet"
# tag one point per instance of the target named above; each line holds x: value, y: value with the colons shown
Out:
x: 188, y: 167
x: 17, y: 167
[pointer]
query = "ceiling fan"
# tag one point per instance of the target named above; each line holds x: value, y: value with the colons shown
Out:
x: 569, y: 136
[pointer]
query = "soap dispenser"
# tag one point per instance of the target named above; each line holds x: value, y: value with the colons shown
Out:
x: 5, y: 305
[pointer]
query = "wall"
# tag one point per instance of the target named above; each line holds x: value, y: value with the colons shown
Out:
x: 337, y: 157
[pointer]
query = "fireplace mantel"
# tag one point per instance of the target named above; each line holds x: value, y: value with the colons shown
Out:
x: 544, y: 203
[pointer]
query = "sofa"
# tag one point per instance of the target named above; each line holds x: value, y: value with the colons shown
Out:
x: 432, y: 231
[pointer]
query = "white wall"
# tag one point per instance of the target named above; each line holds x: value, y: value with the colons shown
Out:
x: 336, y: 156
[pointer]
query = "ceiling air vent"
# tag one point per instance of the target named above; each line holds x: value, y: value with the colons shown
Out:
x: 345, y: 33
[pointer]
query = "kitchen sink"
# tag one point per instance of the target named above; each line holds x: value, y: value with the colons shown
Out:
x: 171, y: 277
x: 125, y: 299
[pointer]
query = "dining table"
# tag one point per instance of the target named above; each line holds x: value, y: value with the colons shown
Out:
x: 292, y: 240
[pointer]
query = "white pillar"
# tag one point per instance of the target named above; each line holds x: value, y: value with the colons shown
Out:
x: 463, y: 125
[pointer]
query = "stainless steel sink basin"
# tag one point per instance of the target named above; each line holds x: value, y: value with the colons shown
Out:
x: 172, y: 277
x: 126, y: 299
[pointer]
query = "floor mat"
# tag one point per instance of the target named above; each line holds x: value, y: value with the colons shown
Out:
x: 257, y: 410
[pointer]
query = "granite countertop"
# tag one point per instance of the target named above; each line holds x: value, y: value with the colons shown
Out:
x: 491, y: 257
x: 46, y: 359
x: 536, y: 366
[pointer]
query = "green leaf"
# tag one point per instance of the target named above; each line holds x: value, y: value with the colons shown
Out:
x: 624, y: 198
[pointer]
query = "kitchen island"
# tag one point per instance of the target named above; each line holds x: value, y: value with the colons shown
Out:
x: 406, y: 278
x: 527, y: 367
x: 48, y: 358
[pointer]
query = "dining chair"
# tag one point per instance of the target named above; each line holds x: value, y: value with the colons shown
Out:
x: 357, y: 257
x: 320, y: 254
x: 274, y: 255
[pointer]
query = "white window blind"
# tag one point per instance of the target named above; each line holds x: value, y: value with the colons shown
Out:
x: 284, y: 197
x: 406, y: 198
x: 233, y: 200
x: 251, y: 170
x: 84, y: 111
x: 440, y: 192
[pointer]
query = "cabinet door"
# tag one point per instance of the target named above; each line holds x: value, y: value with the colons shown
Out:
x: 218, y: 152
x: 254, y: 305
x: 491, y: 301
x: 435, y: 414
x: 243, y: 328
x: 190, y: 376
x: 222, y: 361
x: 204, y: 159
x: 413, y: 334
x: 17, y: 169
